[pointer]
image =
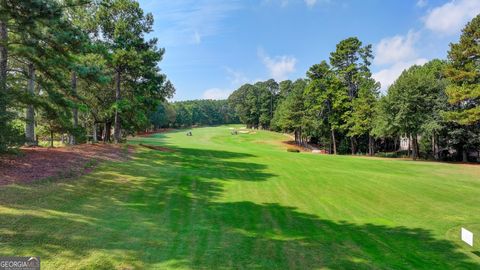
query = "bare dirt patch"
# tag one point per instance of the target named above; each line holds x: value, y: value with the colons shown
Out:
x: 293, y: 145
x: 63, y: 162
x: 158, y: 148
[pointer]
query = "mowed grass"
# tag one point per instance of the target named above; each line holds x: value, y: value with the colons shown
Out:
x: 223, y: 201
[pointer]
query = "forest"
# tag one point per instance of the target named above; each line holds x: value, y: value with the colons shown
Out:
x: 184, y: 114
x: 82, y: 68
x: 79, y: 71
x: 434, y: 107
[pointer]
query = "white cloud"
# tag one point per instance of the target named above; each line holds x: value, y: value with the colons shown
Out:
x: 216, y: 93
x: 279, y: 67
x: 397, y: 48
x: 236, y: 77
x: 387, y: 76
x: 188, y: 21
x: 450, y: 18
x: 422, y: 3
x: 197, y: 39
x: 310, y: 3
x: 394, y: 55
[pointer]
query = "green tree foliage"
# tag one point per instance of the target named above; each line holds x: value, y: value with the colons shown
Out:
x: 36, y: 45
x: 78, y: 62
x: 463, y: 71
x: 413, y: 100
x: 384, y: 125
x: 325, y: 101
x: 133, y: 60
x: 255, y: 104
x: 164, y: 116
x: 360, y: 119
x: 351, y: 61
x: 339, y: 106
x: 290, y: 114
x: 203, y: 113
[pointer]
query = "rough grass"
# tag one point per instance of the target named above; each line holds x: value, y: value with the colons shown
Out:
x: 222, y: 201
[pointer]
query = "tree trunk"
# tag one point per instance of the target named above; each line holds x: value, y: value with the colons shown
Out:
x: 353, y: 145
x: 300, y: 136
x: 464, y: 155
x: 395, y: 143
x: 414, y: 147
x: 100, y: 132
x: 94, y: 133
x: 330, y: 147
x: 334, y: 142
x: 104, y: 133
x: 271, y: 105
x: 434, y: 148
x: 73, y: 140
x: 107, y: 132
x: 51, y: 139
x: 3, y: 79
x: 30, y: 113
x: 117, y: 132
x: 3, y: 65
x: 371, y: 151
x: 409, y: 144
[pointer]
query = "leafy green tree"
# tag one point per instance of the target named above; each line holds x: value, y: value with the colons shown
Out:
x: 351, y: 61
x: 34, y: 37
x: 122, y: 25
x: 413, y: 97
x: 290, y: 113
x: 463, y: 72
x: 384, y: 126
x: 204, y: 112
x: 360, y: 120
x: 164, y: 116
x: 325, y: 101
x: 184, y: 116
x: 245, y: 103
x: 255, y: 104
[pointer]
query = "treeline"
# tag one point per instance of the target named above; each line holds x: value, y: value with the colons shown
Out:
x: 433, y: 108
x: 77, y: 67
x: 193, y: 113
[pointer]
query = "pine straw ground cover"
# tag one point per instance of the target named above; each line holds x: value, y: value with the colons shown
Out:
x: 40, y: 163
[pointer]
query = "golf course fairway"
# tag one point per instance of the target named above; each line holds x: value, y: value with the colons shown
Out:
x: 215, y: 200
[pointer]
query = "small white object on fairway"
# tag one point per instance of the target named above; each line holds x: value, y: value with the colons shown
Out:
x: 467, y: 236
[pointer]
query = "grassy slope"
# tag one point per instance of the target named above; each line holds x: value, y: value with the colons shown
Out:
x: 224, y: 201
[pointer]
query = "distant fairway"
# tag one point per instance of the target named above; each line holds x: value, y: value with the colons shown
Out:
x: 222, y: 201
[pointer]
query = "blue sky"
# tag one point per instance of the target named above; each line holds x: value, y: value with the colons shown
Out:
x: 214, y: 46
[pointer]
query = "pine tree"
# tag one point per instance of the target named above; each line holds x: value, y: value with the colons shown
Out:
x: 351, y: 61
x: 325, y: 101
x: 463, y: 71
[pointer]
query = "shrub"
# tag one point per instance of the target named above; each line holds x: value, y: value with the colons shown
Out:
x: 397, y: 154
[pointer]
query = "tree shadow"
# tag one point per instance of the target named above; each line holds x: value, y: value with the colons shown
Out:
x: 164, y: 210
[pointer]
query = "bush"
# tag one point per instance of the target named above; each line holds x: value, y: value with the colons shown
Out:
x: 397, y: 154
x: 293, y: 150
x: 12, y: 135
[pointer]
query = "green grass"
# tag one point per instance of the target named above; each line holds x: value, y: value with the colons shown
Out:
x: 223, y: 201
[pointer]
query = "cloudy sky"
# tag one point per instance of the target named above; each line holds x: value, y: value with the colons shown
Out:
x: 214, y: 46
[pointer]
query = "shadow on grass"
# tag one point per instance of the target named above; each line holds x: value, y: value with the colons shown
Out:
x: 164, y: 210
